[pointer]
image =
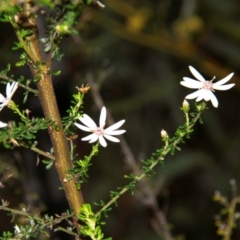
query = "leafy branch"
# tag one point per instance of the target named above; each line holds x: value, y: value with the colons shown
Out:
x: 171, y: 144
x: 21, y: 79
x: 36, y: 224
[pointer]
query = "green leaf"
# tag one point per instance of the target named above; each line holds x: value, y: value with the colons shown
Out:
x: 37, y: 79
x: 49, y: 165
x: 25, y: 98
x: 47, y: 48
x: 56, y: 73
x: 44, y: 40
x: 17, y: 46
x: 20, y: 64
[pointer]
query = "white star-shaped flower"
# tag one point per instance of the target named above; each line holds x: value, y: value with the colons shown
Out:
x: 99, y: 133
x: 10, y: 90
x: 205, y: 88
x: 2, y: 124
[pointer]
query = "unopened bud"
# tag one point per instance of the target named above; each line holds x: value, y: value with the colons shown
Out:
x: 16, y: 18
x: 185, y: 106
x: 27, y: 111
x: 164, y: 135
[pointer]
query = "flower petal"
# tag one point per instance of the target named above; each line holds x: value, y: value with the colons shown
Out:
x: 8, y: 89
x: 110, y: 138
x: 224, y: 80
x: 11, y: 88
x: 186, y: 79
x: 193, y: 95
x: 116, y: 132
x: 223, y: 87
x: 2, y: 98
x: 86, y: 129
x: 196, y: 74
x: 94, y: 138
x: 102, y: 141
x: 201, y: 95
x: 190, y: 83
x: 85, y: 119
x: 2, y: 124
x: 89, y: 137
x: 102, y: 119
x: 214, y: 100
x: 207, y: 94
x: 115, y: 126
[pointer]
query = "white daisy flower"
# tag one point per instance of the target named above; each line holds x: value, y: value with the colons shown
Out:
x: 99, y: 133
x: 205, y: 88
x: 10, y: 90
x: 2, y: 124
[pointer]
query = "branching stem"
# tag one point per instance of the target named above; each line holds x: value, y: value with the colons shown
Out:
x: 38, y: 151
x: 48, y: 100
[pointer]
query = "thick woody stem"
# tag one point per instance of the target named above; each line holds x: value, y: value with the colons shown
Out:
x: 50, y: 108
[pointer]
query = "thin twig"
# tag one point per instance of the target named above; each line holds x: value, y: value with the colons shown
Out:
x: 45, y: 222
x: 37, y: 150
x: 19, y: 84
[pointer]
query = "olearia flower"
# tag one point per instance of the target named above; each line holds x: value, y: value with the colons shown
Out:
x: 205, y: 88
x: 99, y: 133
x: 10, y: 90
x: 2, y: 124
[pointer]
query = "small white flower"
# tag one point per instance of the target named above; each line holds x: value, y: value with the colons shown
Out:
x: 10, y: 90
x: 205, y: 88
x: 2, y: 124
x: 99, y: 133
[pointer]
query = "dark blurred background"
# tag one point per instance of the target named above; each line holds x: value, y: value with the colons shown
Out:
x: 136, y: 53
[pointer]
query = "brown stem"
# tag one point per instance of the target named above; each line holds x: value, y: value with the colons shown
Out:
x: 48, y: 101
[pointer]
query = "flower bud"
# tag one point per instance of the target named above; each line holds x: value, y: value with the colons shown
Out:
x: 185, y: 106
x: 164, y: 135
